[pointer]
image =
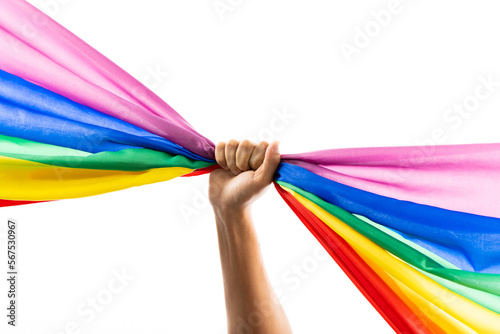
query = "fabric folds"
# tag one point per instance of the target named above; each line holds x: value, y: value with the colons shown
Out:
x: 416, y: 229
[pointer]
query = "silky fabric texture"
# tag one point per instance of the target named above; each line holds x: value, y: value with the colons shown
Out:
x: 34, y: 113
x: 469, y: 313
x: 480, y: 288
x: 424, y: 174
x: 425, y: 316
x: 408, y: 225
x: 56, y: 59
x: 463, y: 237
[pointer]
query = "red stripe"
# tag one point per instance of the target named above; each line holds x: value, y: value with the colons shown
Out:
x: 4, y: 202
x: 376, y: 291
x: 201, y: 171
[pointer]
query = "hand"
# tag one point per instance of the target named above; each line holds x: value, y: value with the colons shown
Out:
x: 248, y: 169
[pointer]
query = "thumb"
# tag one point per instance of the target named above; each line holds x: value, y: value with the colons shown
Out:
x: 271, y: 161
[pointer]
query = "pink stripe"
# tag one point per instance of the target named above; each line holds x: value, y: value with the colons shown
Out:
x: 38, y: 49
x: 456, y: 177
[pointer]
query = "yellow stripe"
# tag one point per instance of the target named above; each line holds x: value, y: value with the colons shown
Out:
x: 469, y: 313
x: 33, y: 181
x: 440, y: 318
x: 447, y: 322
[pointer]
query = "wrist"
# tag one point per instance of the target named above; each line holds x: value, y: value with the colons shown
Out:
x: 232, y: 216
x: 230, y: 211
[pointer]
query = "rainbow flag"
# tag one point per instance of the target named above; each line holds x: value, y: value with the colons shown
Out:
x: 416, y: 229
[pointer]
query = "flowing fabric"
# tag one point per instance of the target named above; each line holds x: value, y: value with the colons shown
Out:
x: 416, y: 229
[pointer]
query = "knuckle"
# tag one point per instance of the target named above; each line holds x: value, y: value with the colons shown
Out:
x: 246, y: 144
x: 232, y: 144
x: 220, y: 157
x: 220, y: 147
x: 255, y: 162
x: 242, y: 165
x: 263, y: 144
x: 244, y: 153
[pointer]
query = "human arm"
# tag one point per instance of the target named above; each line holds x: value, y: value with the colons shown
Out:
x: 251, y: 305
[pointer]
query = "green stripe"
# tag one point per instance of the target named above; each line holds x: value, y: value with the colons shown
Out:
x: 481, y: 282
x: 131, y: 160
x: 485, y: 299
x: 413, y: 245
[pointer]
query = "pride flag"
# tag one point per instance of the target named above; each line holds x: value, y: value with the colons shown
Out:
x: 416, y: 229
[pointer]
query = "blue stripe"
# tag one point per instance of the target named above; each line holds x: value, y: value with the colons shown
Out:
x: 32, y: 112
x: 460, y: 236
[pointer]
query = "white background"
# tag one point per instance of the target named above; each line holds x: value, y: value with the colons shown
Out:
x: 227, y: 75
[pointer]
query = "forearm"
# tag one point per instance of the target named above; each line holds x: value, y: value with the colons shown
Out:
x: 250, y: 301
